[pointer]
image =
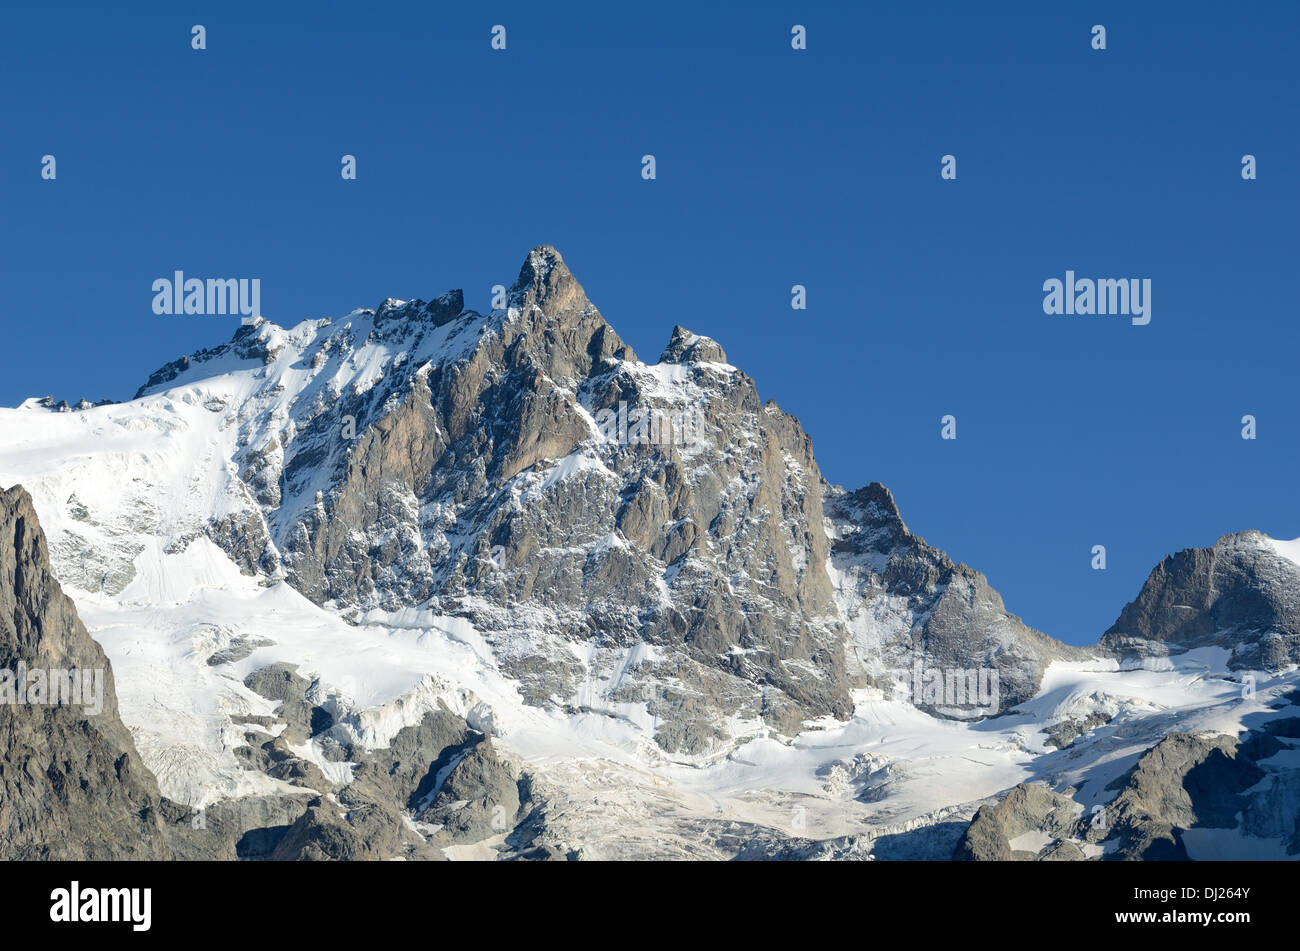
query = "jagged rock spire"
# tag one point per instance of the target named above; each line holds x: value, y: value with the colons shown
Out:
x: 687, y: 347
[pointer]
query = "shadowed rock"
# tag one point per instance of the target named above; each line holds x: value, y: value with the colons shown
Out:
x: 71, y: 783
x: 1028, y: 808
x: 1241, y: 595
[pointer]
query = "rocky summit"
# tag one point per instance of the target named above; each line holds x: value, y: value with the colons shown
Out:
x: 712, y: 562
x: 420, y: 582
x: 1240, y: 595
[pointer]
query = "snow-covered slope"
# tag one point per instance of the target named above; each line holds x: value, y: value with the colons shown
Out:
x: 694, y: 647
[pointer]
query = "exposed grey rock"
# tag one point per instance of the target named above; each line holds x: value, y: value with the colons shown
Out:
x: 438, y: 770
x: 1241, y: 595
x: 1181, y: 782
x: 1273, y: 804
x: 328, y: 831
x: 255, y: 823
x: 278, y: 682
x: 304, y: 718
x: 63, y: 405
x: 441, y: 310
x: 985, y: 840
x: 370, y: 817
x: 72, y: 786
x: 479, y: 797
x: 749, y: 608
x: 940, y: 615
x: 686, y: 347
x: 1064, y: 733
x: 249, y: 343
x: 1062, y: 850
x: 274, y: 758
x: 244, y: 538
x: 238, y: 650
x: 1029, y: 807
x: 410, y: 765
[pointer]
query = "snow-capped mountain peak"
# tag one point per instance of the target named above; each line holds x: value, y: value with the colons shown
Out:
x: 510, y: 518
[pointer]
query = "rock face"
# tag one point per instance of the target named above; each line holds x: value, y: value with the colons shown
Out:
x: 1205, y: 782
x: 71, y: 783
x: 480, y: 796
x: 439, y: 771
x: 525, y: 471
x: 1185, y: 782
x: 1025, y: 810
x: 910, y: 606
x: 1242, y: 595
x: 686, y: 347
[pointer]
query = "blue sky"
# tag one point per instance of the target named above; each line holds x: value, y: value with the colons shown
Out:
x: 775, y: 167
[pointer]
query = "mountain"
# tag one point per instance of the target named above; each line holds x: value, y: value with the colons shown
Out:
x: 698, y: 573
x: 905, y: 602
x: 421, y: 582
x: 1242, y: 595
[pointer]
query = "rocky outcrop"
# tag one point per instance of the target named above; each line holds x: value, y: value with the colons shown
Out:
x: 332, y: 830
x: 1026, y: 812
x: 913, y: 611
x: 480, y: 797
x: 71, y: 783
x: 1242, y: 595
x: 437, y: 783
x: 686, y: 347
x: 1185, y: 782
x: 1064, y: 732
x: 1204, y: 782
x: 439, y: 480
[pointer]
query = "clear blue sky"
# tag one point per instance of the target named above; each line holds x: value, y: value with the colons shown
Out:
x: 775, y: 167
